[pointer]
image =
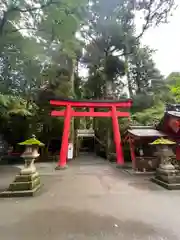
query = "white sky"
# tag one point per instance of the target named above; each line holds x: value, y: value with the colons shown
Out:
x: 166, y: 40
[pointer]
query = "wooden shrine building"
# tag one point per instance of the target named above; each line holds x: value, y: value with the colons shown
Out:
x: 170, y: 125
x: 142, y: 155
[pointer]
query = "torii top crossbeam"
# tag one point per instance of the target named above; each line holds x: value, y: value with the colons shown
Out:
x: 125, y: 103
x: 91, y: 103
x: 69, y: 112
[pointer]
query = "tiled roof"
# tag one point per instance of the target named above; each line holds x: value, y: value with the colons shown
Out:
x: 174, y: 113
x: 173, y: 107
x: 146, y: 132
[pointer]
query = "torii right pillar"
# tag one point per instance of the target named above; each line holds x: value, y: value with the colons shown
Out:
x: 117, y: 137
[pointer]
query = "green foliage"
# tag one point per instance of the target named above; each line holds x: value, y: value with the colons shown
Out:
x: 173, y: 78
x: 142, y: 71
x: 15, y: 105
x: 37, y: 46
x: 40, y: 55
x: 173, y: 81
x: 176, y: 92
x: 139, y: 104
x: 149, y: 116
x: 114, y: 66
x: 93, y: 88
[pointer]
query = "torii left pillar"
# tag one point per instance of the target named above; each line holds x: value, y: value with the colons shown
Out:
x: 65, y: 139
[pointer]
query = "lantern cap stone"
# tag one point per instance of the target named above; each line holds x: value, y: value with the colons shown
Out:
x: 162, y: 141
x: 32, y: 141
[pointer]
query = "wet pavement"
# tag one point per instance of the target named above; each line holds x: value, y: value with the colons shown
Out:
x: 90, y: 200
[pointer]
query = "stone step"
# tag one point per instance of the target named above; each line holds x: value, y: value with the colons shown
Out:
x: 25, y: 193
x: 22, y: 186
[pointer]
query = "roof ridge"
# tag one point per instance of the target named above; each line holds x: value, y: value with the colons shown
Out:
x: 142, y: 127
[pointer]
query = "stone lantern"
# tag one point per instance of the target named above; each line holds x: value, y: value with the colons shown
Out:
x: 27, y: 182
x: 167, y: 175
x: 30, y: 154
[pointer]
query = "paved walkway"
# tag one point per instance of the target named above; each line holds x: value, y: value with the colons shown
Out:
x: 91, y: 200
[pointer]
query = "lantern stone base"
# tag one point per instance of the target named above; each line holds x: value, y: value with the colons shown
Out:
x: 23, y: 185
x: 169, y: 179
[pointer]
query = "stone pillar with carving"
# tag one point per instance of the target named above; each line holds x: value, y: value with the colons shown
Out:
x: 27, y: 182
x: 167, y: 175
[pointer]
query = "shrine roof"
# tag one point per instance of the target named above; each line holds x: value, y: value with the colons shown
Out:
x: 146, y: 132
x: 173, y: 110
x: 174, y: 113
x: 172, y: 107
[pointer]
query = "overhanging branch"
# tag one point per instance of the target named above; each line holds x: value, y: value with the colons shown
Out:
x: 12, y: 9
x: 32, y: 9
x: 157, y: 13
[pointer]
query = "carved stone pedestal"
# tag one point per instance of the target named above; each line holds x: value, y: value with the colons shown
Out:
x: 168, y: 177
x: 23, y: 185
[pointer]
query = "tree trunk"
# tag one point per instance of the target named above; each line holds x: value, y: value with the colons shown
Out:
x: 72, y: 78
x: 108, y: 142
x: 129, y: 83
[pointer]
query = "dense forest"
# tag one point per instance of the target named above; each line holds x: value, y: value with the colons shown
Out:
x: 46, y: 44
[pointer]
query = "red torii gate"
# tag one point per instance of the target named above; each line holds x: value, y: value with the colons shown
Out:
x: 69, y: 112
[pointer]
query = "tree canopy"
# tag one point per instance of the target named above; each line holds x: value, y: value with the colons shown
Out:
x: 45, y: 44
